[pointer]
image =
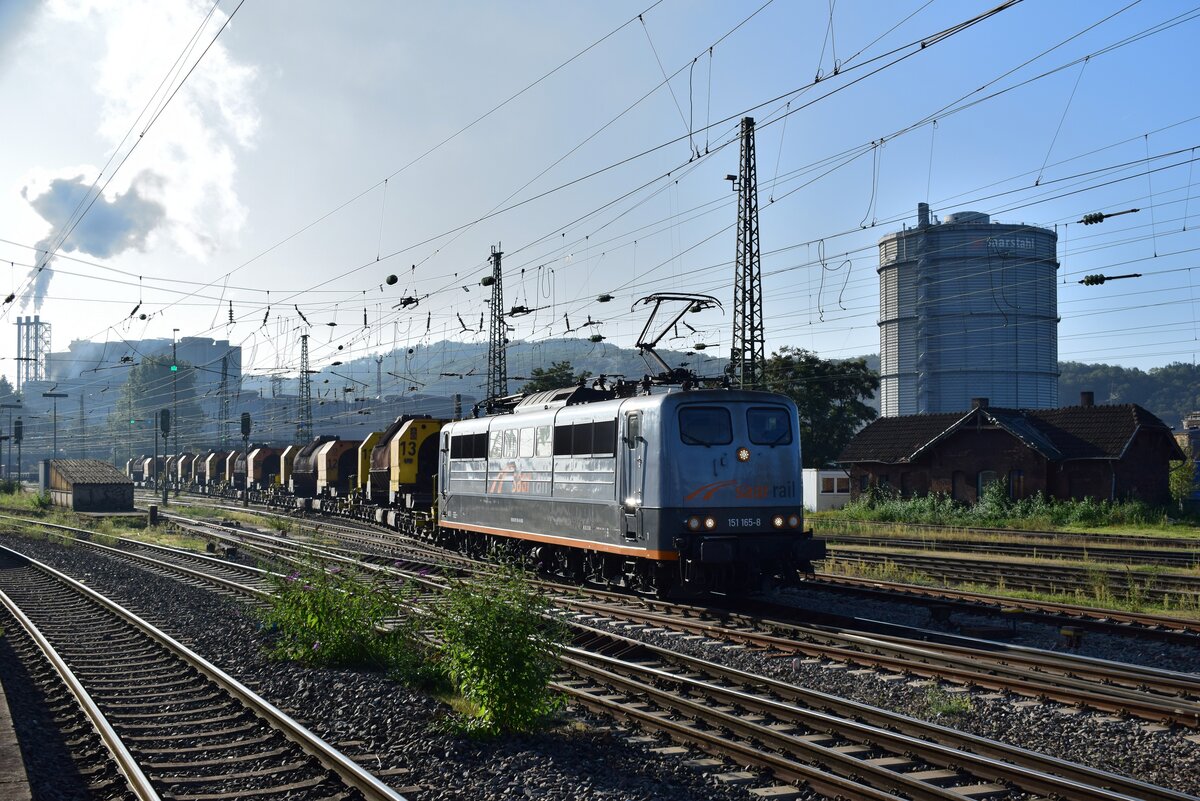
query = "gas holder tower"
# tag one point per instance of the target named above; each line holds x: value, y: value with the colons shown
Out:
x: 747, y: 361
x: 497, y: 375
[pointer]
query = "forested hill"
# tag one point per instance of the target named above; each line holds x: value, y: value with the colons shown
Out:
x: 1171, y: 392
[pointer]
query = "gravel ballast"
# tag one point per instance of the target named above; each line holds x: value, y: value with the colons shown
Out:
x: 367, y: 714
x: 584, y: 759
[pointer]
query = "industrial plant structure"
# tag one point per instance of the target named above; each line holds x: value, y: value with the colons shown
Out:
x: 967, y: 308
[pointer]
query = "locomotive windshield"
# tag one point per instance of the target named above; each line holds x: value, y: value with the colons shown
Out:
x: 769, y: 426
x: 705, y: 425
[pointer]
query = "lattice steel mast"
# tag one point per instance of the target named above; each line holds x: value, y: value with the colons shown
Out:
x: 747, y: 361
x: 497, y: 375
x: 225, y: 400
x: 304, y: 402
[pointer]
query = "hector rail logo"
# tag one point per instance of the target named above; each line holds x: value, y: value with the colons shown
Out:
x: 745, y: 492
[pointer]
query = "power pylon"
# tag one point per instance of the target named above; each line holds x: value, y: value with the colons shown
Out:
x: 747, y: 361
x: 225, y: 400
x: 304, y: 426
x: 497, y: 376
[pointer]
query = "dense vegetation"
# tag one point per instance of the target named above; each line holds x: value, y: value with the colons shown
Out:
x: 831, y: 397
x: 996, y: 509
x: 486, y: 638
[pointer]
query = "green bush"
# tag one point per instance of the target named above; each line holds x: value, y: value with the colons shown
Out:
x: 996, y: 508
x: 491, y: 639
x: 499, y: 650
x: 334, y: 618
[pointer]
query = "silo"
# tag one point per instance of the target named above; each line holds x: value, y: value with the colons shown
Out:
x: 968, y: 308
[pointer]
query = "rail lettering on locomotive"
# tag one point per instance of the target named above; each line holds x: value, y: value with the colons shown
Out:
x: 745, y: 491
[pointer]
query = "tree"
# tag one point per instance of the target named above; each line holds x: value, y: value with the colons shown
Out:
x: 559, y: 375
x: 829, y: 395
x: 151, y: 387
x: 1185, y: 478
x: 7, y: 394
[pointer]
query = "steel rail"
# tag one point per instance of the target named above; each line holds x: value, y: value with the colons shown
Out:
x: 1175, y: 557
x: 120, y: 553
x: 925, y: 662
x: 936, y: 744
x: 139, y: 785
x: 323, y: 752
x: 830, y: 526
x: 1108, y: 619
x: 1104, y: 671
x: 1032, y: 575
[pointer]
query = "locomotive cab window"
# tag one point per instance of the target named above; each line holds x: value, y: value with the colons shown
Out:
x: 468, y: 446
x: 705, y: 425
x: 769, y: 426
x: 586, y: 439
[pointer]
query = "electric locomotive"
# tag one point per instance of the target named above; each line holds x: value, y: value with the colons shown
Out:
x: 670, y: 492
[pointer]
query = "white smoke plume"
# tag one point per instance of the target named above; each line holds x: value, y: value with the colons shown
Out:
x: 182, y: 191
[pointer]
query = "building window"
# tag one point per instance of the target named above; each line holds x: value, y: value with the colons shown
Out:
x: 1016, y: 484
x: 842, y: 487
x: 986, y: 478
x: 864, y: 481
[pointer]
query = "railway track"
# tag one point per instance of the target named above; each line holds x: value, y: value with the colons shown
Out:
x: 801, y: 747
x: 177, y: 725
x: 223, y: 575
x: 1113, y: 621
x: 1168, y: 557
x: 1152, y: 626
x: 838, y: 747
x: 1104, y: 686
x: 835, y: 528
x: 1174, y: 589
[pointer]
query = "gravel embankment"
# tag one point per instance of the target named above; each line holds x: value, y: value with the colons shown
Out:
x: 1138, y: 650
x: 584, y: 759
x: 369, y: 714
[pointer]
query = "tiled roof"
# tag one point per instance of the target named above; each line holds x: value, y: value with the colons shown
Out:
x: 89, y: 471
x: 894, y: 439
x: 1069, y: 432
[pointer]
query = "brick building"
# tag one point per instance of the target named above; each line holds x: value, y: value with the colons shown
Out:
x: 1102, y: 452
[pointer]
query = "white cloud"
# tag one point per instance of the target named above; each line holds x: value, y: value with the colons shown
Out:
x: 193, y: 147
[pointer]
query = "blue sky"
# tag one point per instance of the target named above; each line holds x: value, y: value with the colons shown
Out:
x: 264, y: 172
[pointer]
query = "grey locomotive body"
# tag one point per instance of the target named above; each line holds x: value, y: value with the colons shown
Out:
x: 693, y: 490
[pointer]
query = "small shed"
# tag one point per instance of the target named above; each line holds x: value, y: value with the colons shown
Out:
x: 826, y: 488
x: 89, y: 485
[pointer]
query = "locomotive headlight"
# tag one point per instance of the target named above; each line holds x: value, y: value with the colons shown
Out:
x: 793, y: 520
x: 710, y: 523
x: 778, y: 521
x: 693, y: 523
